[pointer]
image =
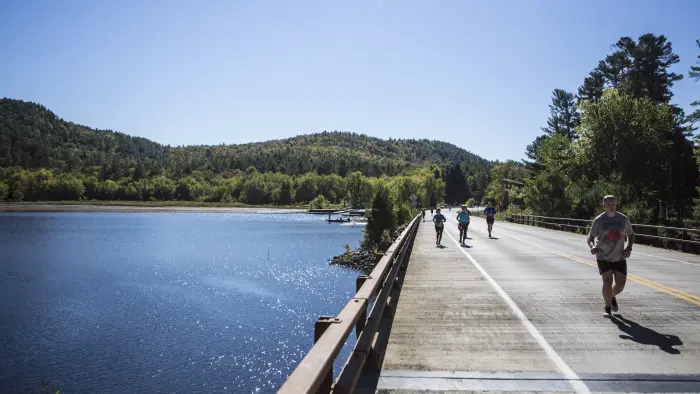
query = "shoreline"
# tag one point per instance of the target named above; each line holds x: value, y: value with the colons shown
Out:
x: 140, y: 207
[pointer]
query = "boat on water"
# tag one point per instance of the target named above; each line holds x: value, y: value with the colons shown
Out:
x: 341, y: 220
x: 338, y: 220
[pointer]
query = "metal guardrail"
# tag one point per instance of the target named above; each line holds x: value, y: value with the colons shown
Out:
x: 315, y: 372
x: 687, y: 236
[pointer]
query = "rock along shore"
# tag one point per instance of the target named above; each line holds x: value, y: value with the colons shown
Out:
x: 362, y: 259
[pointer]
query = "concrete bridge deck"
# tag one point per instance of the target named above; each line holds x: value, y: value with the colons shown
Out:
x: 523, y: 312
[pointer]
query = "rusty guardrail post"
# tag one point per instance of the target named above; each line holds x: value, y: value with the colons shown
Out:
x: 363, y: 318
x: 320, y: 327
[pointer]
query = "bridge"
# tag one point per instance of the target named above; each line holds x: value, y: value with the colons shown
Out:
x: 522, y: 312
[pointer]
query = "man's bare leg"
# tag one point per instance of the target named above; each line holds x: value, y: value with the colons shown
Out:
x: 620, y: 281
x: 607, y: 288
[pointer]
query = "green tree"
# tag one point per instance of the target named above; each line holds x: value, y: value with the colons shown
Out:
x: 545, y: 193
x: 380, y: 221
x: 696, y: 211
x: 162, y: 188
x: 189, y: 189
x: 637, y: 68
x: 254, y: 191
x: 319, y: 202
x: 4, y: 191
x: 307, y: 188
x: 357, y: 189
x: 510, y: 169
x: 16, y: 193
x: 456, y: 185
x: 564, y: 117
x: 532, y: 152
x: 283, y: 194
x: 627, y: 137
x: 593, y: 86
x: 695, y: 74
x: 66, y: 187
x: 693, y: 118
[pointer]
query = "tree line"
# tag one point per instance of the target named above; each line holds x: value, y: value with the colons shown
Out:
x: 33, y: 137
x: 246, y: 187
x: 619, y: 134
x: 43, y: 157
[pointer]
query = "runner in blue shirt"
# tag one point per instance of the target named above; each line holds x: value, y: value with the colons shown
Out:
x: 463, y: 220
x: 490, y: 213
x: 439, y: 221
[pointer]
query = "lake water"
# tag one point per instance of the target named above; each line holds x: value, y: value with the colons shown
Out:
x: 164, y: 302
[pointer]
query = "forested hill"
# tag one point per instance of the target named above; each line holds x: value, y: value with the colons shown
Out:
x: 31, y: 136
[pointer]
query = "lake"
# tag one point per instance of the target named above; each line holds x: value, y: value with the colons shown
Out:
x: 164, y: 302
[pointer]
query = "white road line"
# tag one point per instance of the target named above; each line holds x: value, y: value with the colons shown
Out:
x: 568, y: 373
x: 668, y: 258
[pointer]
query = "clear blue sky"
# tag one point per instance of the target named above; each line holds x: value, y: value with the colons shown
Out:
x: 475, y: 73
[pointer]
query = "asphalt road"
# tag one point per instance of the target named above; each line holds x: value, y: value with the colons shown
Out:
x: 524, y: 312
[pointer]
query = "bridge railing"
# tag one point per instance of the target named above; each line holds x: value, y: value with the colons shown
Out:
x: 314, y: 374
x: 687, y: 239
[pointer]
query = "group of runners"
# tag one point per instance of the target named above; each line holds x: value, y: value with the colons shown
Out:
x: 606, y: 240
x: 463, y: 220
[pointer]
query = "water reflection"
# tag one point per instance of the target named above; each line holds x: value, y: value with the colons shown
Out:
x: 164, y: 302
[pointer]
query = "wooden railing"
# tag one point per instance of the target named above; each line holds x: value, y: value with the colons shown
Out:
x: 315, y: 372
x: 686, y: 239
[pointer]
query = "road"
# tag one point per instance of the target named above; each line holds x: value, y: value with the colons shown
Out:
x: 524, y: 312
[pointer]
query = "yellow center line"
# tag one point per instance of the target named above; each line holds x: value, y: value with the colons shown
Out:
x: 691, y: 298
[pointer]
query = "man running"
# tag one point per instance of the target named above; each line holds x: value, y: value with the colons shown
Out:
x: 490, y: 213
x: 424, y: 215
x: 439, y: 221
x: 610, y: 229
x: 463, y: 220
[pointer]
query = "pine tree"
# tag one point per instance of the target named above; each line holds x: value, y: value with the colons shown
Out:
x: 564, y: 116
x: 695, y: 74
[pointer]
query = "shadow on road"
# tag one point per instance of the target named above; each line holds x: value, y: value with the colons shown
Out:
x: 647, y: 336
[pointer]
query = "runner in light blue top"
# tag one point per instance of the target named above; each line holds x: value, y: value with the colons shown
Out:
x: 463, y: 218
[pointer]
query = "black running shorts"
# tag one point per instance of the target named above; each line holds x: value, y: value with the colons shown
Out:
x: 439, y: 229
x: 619, y: 266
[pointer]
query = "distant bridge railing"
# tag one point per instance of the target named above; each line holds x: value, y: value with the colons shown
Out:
x: 315, y: 372
x: 685, y: 239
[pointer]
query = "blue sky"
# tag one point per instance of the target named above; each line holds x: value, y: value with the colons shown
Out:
x: 478, y: 74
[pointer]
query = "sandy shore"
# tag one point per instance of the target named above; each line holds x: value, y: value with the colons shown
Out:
x: 48, y: 207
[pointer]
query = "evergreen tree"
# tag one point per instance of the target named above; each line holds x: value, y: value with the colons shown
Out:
x: 456, y: 186
x: 638, y: 68
x: 564, y: 116
x: 695, y: 74
x: 380, y: 219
